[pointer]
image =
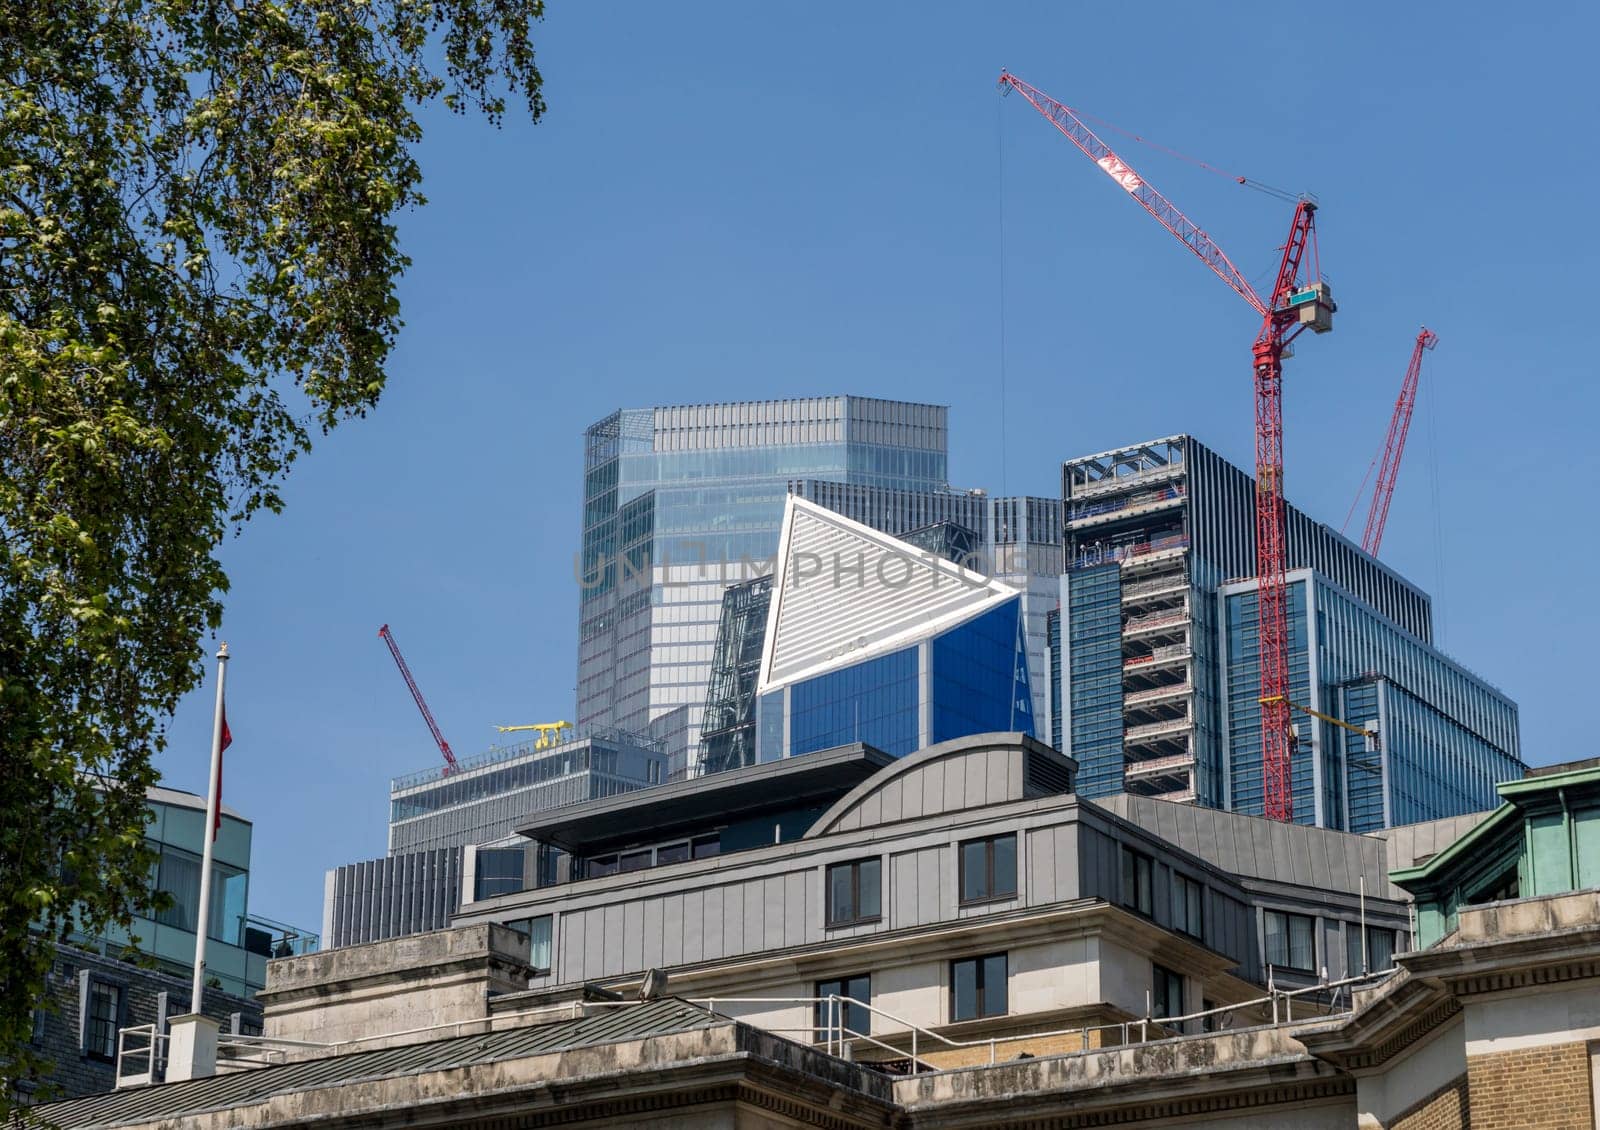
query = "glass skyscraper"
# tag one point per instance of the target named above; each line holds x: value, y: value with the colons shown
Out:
x: 1153, y: 532
x: 681, y: 502
x: 1444, y: 737
x: 872, y: 639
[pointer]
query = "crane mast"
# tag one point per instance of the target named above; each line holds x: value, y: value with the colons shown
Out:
x: 422, y: 703
x: 1394, y: 444
x: 1292, y: 306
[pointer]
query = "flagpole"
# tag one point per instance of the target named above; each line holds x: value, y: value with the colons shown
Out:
x: 196, y: 995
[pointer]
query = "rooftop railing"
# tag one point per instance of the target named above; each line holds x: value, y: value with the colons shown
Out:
x: 498, y: 755
x: 839, y: 1038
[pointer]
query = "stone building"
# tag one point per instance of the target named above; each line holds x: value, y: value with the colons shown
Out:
x: 1493, y: 1022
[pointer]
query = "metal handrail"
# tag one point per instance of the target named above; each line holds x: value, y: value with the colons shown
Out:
x: 837, y: 1031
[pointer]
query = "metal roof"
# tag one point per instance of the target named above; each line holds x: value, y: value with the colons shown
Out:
x: 703, y: 803
x: 245, y: 1088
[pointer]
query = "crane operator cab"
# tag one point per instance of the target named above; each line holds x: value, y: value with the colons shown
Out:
x: 1313, y: 306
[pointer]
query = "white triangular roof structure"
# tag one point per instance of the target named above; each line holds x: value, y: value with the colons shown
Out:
x: 844, y: 592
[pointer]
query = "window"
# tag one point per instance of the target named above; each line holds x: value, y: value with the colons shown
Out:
x: 498, y: 872
x: 105, y: 1008
x: 1290, y: 942
x: 855, y: 892
x: 537, y: 931
x: 978, y: 987
x: 1380, y: 950
x: 851, y: 1015
x: 1166, y: 997
x: 989, y: 869
x: 704, y: 847
x: 601, y: 866
x: 634, y: 860
x: 1137, y: 888
x: 1188, y: 906
x: 36, y: 1035
x: 672, y: 853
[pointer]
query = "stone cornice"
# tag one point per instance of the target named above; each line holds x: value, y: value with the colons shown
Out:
x: 1120, y: 1086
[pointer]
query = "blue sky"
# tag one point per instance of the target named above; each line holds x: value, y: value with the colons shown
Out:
x: 737, y: 200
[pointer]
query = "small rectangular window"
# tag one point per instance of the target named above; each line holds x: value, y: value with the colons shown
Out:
x: 855, y: 892
x: 672, y: 853
x: 1166, y: 996
x: 537, y: 931
x: 1291, y: 941
x: 706, y: 846
x: 1137, y: 886
x: 1188, y: 903
x: 848, y: 1014
x: 1379, y: 957
x: 978, y: 987
x: 989, y: 869
x: 601, y: 866
x: 634, y: 860
x: 498, y: 872
x: 105, y: 1008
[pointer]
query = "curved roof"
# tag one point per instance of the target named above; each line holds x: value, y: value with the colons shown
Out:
x: 963, y: 773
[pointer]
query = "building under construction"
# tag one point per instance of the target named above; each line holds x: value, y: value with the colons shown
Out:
x: 1146, y: 659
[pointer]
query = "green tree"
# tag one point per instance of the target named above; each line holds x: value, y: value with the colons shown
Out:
x: 198, y: 261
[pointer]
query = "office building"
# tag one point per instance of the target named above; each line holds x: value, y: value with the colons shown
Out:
x: 239, y: 942
x: 1013, y: 540
x: 869, y: 639
x: 451, y: 833
x: 949, y: 940
x: 1442, y: 738
x: 680, y: 502
x: 104, y: 981
x: 1147, y: 702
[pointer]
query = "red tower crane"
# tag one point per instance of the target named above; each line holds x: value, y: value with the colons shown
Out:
x: 1394, y: 445
x: 1292, y: 305
x: 422, y: 703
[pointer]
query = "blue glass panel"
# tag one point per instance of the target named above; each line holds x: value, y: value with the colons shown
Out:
x: 980, y: 676
x: 1094, y: 635
x: 874, y: 701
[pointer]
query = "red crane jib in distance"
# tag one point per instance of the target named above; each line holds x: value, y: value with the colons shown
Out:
x: 1394, y: 445
x: 422, y: 703
x: 1289, y: 309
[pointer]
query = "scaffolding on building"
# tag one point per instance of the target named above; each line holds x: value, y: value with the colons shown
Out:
x: 728, y: 731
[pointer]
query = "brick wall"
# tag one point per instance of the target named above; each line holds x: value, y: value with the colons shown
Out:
x: 1445, y: 1109
x: 1543, y: 1086
x: 75, y: 1073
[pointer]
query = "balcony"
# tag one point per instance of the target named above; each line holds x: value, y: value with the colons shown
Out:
x: 1164, y: 728
x: 1088, y: 514
x: 1169, y: 584
x: 1159, y: 658
x: 1158, y: 694
x: 1159, y: 766
x: 1171, y: 618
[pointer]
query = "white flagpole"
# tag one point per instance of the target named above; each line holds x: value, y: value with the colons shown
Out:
x: 196, y: 997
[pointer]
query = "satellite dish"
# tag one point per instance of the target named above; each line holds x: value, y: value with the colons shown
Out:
x: 654, y: 985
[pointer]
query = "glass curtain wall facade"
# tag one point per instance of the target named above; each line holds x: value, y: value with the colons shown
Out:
x: 1445, y: 736
x: 487, y: 796
x: 680, y: 502
x: 1152, y: 531
x: 238, y: 942
x: 968, y: 679
x: 1014, y: 539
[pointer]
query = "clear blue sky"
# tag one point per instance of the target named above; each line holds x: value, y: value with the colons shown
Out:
x: 739, y: 200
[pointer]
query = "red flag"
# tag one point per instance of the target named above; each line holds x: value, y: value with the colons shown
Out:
x: 227, y: 740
